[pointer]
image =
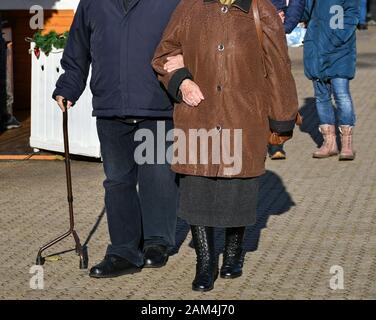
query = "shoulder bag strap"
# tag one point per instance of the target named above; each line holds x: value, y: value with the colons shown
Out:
x: 260, y: 34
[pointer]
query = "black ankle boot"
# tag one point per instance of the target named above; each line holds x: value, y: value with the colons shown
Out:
x: 233, y: 253
x: 207, y: 264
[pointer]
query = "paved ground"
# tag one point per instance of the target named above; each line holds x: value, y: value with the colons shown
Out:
x: 314, y: 214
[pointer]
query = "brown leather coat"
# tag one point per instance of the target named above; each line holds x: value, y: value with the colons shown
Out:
x: 223, y: 56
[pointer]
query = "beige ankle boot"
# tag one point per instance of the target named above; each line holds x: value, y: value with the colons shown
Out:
x: 329, y: 147
x: 347, y: 152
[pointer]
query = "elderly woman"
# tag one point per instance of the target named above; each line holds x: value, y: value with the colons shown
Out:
x: 235, y: 87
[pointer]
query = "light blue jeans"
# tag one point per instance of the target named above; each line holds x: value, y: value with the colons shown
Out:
x: 340, y: 89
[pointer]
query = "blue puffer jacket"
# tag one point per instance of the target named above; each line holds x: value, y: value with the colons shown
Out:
x: 294, y: 13
x: 330, y: 51
x: 120, y: 47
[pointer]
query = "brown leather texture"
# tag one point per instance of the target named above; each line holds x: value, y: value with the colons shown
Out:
x: 274, y: 138
x: 222, y: 52
x: 281, y: 138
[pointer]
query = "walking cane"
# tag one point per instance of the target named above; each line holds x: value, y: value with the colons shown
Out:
x: 81, y: 251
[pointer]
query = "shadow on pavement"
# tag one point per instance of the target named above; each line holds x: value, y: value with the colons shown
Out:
x: 94, y: 228
x: 311, y: 120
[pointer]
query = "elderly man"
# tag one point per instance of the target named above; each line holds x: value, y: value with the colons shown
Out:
x: 118, y: 39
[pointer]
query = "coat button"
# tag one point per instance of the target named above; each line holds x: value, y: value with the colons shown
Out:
x: 224, y: 9
x: 219, y: 88
x: 221, y: 47
x: 218, y: 127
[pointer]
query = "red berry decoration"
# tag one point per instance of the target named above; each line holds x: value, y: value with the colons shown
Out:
x: 37, y: 52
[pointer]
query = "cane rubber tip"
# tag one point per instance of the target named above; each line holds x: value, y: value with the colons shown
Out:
x: 84, y: 258
x: 83, y: 264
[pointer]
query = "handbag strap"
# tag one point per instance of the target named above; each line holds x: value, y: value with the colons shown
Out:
x: 260, y: 34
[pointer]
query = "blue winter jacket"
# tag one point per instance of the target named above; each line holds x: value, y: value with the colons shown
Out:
x: 329, y: 47
x: 294, y: 13
x: 119, y: 45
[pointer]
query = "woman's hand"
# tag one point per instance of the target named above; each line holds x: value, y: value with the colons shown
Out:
x: 174, y: 63
x: 282, y: 16
x: 192, y: 94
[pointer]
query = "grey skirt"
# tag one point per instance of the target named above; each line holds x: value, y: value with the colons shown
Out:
x: 218, y: 202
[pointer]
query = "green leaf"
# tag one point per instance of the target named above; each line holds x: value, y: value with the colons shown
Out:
x: 47, y: 42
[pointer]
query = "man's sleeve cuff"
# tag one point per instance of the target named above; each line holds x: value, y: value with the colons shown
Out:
x: 175, y: 82
x: 281, y: 126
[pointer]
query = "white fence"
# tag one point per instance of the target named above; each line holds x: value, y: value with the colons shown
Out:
x: 46, y: 117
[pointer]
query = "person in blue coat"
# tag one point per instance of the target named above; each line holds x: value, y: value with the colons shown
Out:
x: 291, y: 15
x: 118, y: 38
x: 290, y: 12
x: 330, y: 62
x: 280, y: 5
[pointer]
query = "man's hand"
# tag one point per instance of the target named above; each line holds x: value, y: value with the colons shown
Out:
x: 60, y: 102
x: 282, y: 16
x: 192, y: 94
x: 174, y: 63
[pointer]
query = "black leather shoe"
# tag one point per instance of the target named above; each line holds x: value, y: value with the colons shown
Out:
x: 155, y: 256
x: 113, y: 266
x: 232, y: 266
x: 207, y: 264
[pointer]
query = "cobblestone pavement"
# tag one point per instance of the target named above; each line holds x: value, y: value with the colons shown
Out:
x: 313, y: 214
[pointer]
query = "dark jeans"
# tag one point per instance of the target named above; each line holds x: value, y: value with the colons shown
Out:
x: 137, y: 217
